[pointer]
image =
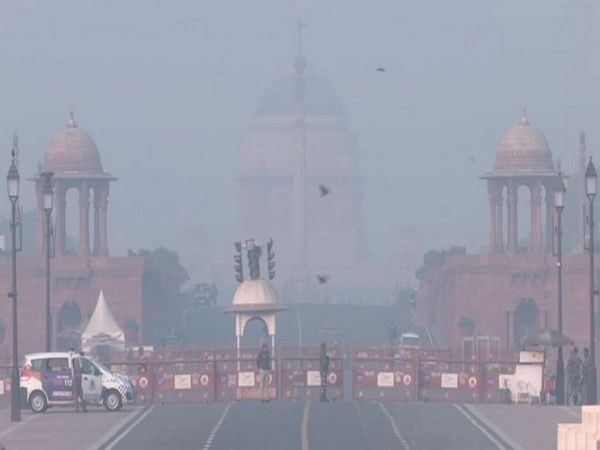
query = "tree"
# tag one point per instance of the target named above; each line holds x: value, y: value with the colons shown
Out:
x: 163, y: 278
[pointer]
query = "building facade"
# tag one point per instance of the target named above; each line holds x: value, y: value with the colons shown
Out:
x: 513, y: 287
x: 77, y: 274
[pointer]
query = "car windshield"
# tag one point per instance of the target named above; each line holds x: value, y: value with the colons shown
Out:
x: 100, y: 366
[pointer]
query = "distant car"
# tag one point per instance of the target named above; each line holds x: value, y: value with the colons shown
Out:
x: 48, y: 379
x: 410, y: 340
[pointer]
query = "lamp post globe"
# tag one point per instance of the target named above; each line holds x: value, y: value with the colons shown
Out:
x: 12, y: 184
x: 591, y: 184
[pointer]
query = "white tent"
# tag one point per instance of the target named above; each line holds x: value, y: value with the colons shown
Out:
x: 102, y: 331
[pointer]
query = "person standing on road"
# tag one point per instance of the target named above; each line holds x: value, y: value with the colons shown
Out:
x: 585, y: 376
x: 77, y: 383
x: 574, y: 376
x: 324, y: 371
x: 392, y: 334
x: 263, y: 361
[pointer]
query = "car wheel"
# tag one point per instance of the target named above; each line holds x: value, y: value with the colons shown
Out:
x: 113, y: 401
x: 38, y: 402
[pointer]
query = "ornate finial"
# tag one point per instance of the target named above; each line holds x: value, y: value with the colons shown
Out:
x: 582, y: 139
x: 71, y: 122
x: 558, y: 165
x: 524, y: 120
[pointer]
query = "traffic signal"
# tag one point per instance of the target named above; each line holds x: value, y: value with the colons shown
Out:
x: 238, y: 267
x: 254, y: 262
x: 270, y: 260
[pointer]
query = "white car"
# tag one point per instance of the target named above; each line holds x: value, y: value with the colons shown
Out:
x: 410, y: 340
x: 49, y: 382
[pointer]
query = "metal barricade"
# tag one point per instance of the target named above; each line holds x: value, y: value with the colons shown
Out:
x: 454, y: 381
x: 301, y: 378
x: 387, y: 379
x: 238, y: 379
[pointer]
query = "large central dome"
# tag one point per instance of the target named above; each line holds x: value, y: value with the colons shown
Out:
x: 279, y: 98
x: 524, y: 149
x: 72, y: 150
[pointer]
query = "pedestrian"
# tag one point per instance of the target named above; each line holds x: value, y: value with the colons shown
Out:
x: 574, y: 375
x: 263, y: 361
x: 324, y: 371
x: 585, y: 376
x: 77, y: 383
x: 392, y: 334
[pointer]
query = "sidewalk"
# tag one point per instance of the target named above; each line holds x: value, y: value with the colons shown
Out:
x: 62, y: 428
x: 531, y: 427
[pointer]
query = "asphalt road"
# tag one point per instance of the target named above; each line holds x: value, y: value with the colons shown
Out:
x: 304, y: 425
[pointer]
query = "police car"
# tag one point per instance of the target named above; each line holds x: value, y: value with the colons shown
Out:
x: 49, y: 382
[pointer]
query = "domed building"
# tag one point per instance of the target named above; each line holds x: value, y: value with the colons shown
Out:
x: 284, y: 127
x: 255, y: 300
x: 300, y: 184
x: 72, y: 161
x: 523, y: 159
x: 512, y: 288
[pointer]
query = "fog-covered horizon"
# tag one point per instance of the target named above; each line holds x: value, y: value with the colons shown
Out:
x: 168, y: 91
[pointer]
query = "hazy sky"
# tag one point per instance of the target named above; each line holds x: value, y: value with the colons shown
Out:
x: 168, y: 88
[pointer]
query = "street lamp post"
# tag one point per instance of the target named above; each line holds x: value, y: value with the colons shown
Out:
x: 591, y: 180
x: 559, y: 204
x: 48, y: 198
x: 12, y: 182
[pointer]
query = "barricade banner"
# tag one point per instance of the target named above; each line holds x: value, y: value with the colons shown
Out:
x: 451, y: 381
x: 301, y: 378
x: 182, y: 381
x: 240, y: 380
x: 384, y: 379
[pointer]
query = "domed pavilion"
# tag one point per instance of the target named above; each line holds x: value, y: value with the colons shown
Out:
x: 255, y: 299
x: 73, y: 159
x: 524, y: 158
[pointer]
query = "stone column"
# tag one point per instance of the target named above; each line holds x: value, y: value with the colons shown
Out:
x: 100, y: 220
x: 549, y: 218
x: 513, y: 223
x: 84, y: 221
x: 536, y: 217
x: 500, y: 219
x: 495, y: 199
x: 60, y: 206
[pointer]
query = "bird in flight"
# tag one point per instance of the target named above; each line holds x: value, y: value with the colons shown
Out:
x: 380, y: 69
x: 324, y: 190
x: 322, y: 278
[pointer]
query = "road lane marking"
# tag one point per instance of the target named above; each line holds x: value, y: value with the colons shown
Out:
x: 401, y: 438
x: 304, y: 427
x: 122, y: 429
x: 493, y: 427
x: 19, y: 425
x: 213, y: 433
x: 570, y: 412
x: 477, y: 419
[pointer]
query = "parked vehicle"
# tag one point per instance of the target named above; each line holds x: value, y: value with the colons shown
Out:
x: 410, y: 340
x: 49, y: 382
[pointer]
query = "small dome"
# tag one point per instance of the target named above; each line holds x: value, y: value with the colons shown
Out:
x: 72, y: 150
x: 524, y: 149
x: 255, y: 292
x: 280, y: 97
